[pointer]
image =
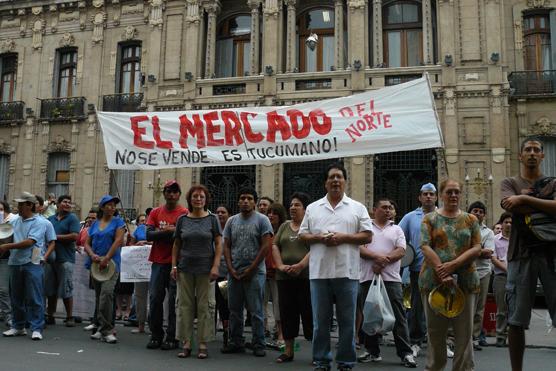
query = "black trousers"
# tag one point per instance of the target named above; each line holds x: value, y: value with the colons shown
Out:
x: 295, y: 304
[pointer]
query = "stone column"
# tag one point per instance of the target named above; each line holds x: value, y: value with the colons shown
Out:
x: 271, y: 50
x: 446, y: 35
x: 291, y: 38
x: 255, y: 36
x: 428, y: 49
x: 339, y: 34
x: 378, y: 53
x: 356, y: 47
x: 191, y: 39
x: 212, y: 9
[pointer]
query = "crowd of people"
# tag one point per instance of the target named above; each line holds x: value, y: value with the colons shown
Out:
x: 315, y: 264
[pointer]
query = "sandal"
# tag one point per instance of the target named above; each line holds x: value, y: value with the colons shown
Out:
x: 185, y: 353
x: 203, y: 353
x: 283, y: 358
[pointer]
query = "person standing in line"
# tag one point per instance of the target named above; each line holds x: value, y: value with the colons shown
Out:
x: 411, y: 226
x: 247, y: 238
x: 497, y: 229
x: 382, y: 257
x: 263, y: 204
x: 195, y: 262
x: 161, y: 226
x: 484, y: 269
x: 223, y: 213
x: 5, y: 306
x: 450, y: 241
x: 84, y: 232
x: 334, y: 227
x: 26, y: 272
x: 529, y: 258
x: 141, y: 289
x: 292, y: 277
x: 500, y: 263
x: 59, y: 275
x: 50, y: 208
x: 106, y: 237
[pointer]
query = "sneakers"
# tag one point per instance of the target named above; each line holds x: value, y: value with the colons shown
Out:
x: 483, y: 342
x: 110, y: 339
x: 49, y: 320
x: 368, y: 357
x: 415, y: 349
x: 153, y: 344
x: 96, y: 336
x: 476, y: 345
x: 409, y: 362
x: 14, y: 332
x: 232, y: 348
x: 449, y: 352
x: 91, y: 327
x: 36, y: 335
x: 70, y: 322
x: 170, y: 344
x: 500, y: 343
x: 259, y: 352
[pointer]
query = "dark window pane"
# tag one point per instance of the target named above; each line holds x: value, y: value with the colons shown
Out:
x: 320, y: 18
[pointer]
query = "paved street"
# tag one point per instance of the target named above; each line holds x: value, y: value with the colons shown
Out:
x: 71, y: 349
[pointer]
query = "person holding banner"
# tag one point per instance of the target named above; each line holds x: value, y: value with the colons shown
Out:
x: 334, y: 227
x: 106, y: 237
x: 195, y: 261
x: 450, y: 241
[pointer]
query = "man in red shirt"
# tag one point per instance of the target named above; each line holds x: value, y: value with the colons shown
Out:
x: 161, y: 225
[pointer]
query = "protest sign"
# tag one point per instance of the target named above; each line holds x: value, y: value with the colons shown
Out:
x: 135, y: 265
x: 395, y: 118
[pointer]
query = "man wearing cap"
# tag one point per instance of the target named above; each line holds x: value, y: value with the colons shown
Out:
x: 26, y: 272
x: 59, y: 277
x: 161, y: 225
x: 411, y: 226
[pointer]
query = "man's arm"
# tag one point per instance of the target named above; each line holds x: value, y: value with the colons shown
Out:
x: 18, y: 245
x: 266, y: 242
x: 70, y: 237
x: 525, y: 204
x: 228, y: 258
x: 163, y: 235
x: 499, y: 264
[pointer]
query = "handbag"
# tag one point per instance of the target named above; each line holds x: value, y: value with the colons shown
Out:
x: 378, y: 315
x: 542, y: 225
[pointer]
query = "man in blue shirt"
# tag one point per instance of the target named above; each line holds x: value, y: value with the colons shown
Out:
x: 411, y: 226
x: 59, y: 274
x: 26, y: 272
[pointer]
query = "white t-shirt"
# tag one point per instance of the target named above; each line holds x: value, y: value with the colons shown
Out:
x: 484, y: 266
x: 340, y: 261
x: 385, y: 240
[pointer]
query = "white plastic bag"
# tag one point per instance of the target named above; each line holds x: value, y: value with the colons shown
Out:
x: 378, y: 316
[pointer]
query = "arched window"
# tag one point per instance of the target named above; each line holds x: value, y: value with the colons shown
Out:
x: 536, y: 35
x: 233, y: 46
x: 8, y: 74
x: 130, y: 68
x: 403, y: 34
x: 320, y: 22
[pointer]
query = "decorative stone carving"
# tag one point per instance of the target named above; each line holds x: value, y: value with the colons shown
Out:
x: 449, y: 102
x: 67, y: 40
x: 59, y: 144
x: 98, y: 20
x: 10, y: 23
x: 496, y: 99
x: 131, y: 9
x: 543, y: 126
x: 36, y: 10
x: 356, y: 4
x: 7, y: 45
x: 5, y: 148
x: 192, y: 12
x: 271, y: 8
x: 130, y: 33
x: 98, y: 3
x: 155, y: 15
x: 538, y: 3
x: 69, y: 16
x: 38, y: 31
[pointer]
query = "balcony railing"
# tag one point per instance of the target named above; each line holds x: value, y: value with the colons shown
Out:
x: 122, y: 102
x: 61, y: 109
x: 313, y: 84
x: 11, y: 112
x: 532, y: 83
x: 228, y: 89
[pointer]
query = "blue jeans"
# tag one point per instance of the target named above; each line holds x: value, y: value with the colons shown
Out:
x: 160, y: 282
x: 27, y: 296
x: 322, y: 293
x: 251, y: 294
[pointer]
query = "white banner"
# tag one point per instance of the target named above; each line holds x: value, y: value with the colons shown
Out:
x: 135, y: 265
x: 395, y: 118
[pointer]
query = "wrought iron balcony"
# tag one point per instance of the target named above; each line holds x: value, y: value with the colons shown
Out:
x: 228, y: 89
x: 313, y: 84
x: 532, y: 83
x: 122, y: 102
x: 11, y: 112
x: 62, y: 109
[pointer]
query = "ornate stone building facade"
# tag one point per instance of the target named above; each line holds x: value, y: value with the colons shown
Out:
x: 491, y: 64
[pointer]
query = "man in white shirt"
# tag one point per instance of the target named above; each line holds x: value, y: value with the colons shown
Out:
x: 382, y: 257
x: 484, y: 269
x: 335, y: 226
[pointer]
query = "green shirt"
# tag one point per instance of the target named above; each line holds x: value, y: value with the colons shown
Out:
x: 449, y: 238
x: 292, y: 251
